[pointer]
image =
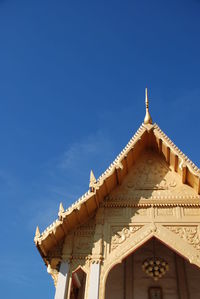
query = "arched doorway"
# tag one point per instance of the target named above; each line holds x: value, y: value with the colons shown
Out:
x: 128, y: 280
x: 78, y: 281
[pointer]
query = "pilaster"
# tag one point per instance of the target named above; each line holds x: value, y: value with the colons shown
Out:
x: 93, y: 292
x: 61, y: 287
x: 97, y: 256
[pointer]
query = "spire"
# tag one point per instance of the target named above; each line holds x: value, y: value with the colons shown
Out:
x: 61, y: 210
x: 37, y: 233
x: 92, y: 180
x: 147, y: 119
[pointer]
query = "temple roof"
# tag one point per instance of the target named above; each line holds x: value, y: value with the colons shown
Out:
x: 148, y: 137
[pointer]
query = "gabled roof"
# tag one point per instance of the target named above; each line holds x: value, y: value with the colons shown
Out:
x: 147, y: 136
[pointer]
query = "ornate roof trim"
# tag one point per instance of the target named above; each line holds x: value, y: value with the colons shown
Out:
x: 100, y: 188
x: 193, y: 168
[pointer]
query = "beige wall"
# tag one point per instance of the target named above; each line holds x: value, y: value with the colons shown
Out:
x: 128, y: 281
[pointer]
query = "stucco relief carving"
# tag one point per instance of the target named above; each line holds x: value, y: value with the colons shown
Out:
x: 191, y: 211
x: 152, y: 178
x: 127, y: 245
x: 86, y: 229
x: 162, y: 233
x: 83, y: 240
x: 118, y: 235
x: 82, y: 244
x: 189, y: 233
x: 165, y: 212
x: 151, y: 175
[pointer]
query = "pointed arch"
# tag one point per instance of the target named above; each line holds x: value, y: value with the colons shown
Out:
x: 163, y: 234
x: 78, y: 284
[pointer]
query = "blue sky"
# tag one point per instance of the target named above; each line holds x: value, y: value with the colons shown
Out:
x: 72, y: 80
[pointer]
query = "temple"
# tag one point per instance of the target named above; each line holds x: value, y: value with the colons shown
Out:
x: 135, y: 234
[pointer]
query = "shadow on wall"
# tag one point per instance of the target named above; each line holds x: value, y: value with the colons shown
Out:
x: 128, y: 279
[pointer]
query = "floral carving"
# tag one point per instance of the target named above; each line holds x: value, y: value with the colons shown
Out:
x: 151, y: 178
x: 152, y: 173
x: 119, y: 236
x: 189, y: 233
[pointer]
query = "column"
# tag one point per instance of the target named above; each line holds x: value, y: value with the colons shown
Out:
x: 61, y: 287
x: 93, y: 292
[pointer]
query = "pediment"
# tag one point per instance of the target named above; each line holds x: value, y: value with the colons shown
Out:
x: 149, y: 170
x: 152, y: 179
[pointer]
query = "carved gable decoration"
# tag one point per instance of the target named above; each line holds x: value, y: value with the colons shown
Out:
x: 119, y: 235
x: 189, y: 233
x: 149, y: 172
x: 83, y: 239
x: 151, y: 178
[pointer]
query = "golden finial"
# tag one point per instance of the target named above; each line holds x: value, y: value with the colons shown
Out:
x: 61, y: 210
x: 37, y: 233
x: 92, y: 180
x: 147, y: 119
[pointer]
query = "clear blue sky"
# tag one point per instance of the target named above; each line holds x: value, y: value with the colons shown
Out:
x: 72, y: 80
